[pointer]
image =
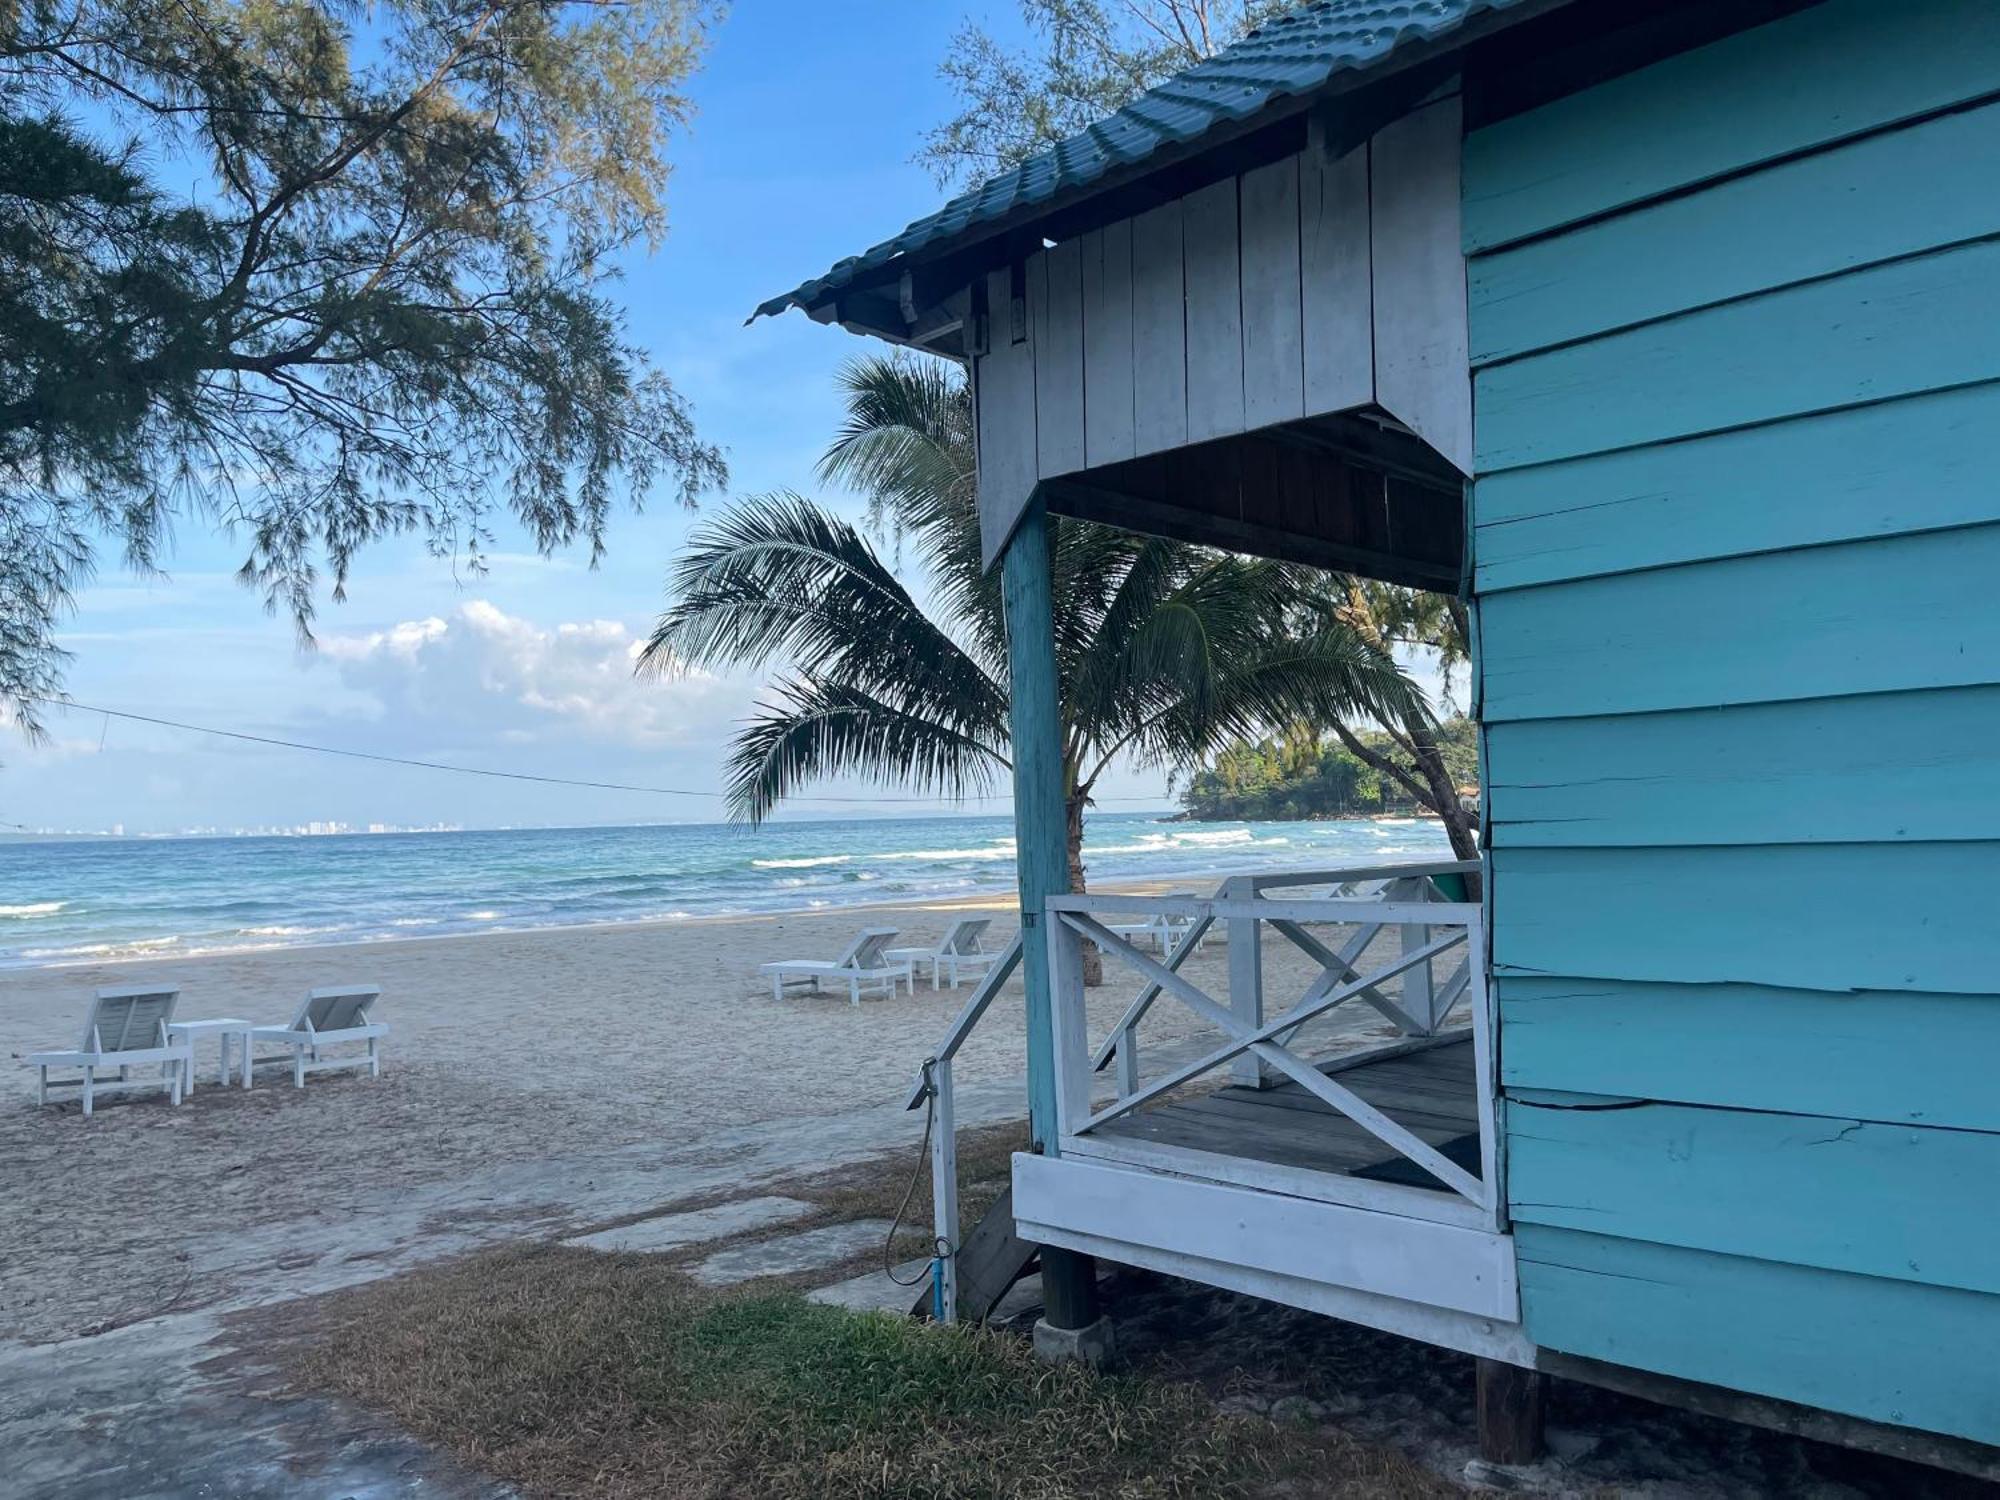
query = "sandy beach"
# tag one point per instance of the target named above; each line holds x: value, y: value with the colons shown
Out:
x: 534, y: 1081
x: 542, y: 1083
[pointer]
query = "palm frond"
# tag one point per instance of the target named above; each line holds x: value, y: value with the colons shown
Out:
x: 779, y: 576
x: 1166, y: 649
x: 907, y: 443
x: 816, y: 730
x: 906, y: 439
x: 1330, y: 675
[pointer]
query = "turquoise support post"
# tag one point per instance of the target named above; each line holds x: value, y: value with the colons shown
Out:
x: 1069, y: 1280
x: 1039, y: 830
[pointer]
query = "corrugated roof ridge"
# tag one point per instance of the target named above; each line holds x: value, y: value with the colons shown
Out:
x: 1330, y: 37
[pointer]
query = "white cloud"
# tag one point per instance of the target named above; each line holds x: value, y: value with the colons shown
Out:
x: 480, y: 675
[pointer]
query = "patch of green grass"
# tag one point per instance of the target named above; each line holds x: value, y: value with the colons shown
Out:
x: 573, y: 1373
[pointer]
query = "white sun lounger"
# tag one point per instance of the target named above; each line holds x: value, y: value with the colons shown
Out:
x: 127, y: 1029
x: 865, y: 964
x: 1170, y: 930
x: 326, y: 1018
x: 1162, y: 931
x: 959, y: 952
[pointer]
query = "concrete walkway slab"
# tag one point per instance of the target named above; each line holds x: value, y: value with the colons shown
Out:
x: 873, y: 1291
x: 697, y: 1226
x: 790, y: 1254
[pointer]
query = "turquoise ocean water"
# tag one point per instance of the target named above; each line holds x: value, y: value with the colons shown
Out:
x: 79, y: 901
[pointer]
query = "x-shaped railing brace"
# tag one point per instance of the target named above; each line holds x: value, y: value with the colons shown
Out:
x: 1259, y: 1042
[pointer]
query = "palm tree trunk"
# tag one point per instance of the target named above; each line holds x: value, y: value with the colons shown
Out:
x: 1434, y: 790
x: 1093, y: 960
x: 1458, y: 823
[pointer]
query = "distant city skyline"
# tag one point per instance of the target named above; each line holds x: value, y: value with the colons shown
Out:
x: 336, y: 828
x: 313, y: 828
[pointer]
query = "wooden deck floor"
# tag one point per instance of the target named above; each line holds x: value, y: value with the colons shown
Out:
x: 1430, y: 1093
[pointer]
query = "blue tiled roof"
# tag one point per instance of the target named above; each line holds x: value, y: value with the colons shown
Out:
x: 1295, y: 54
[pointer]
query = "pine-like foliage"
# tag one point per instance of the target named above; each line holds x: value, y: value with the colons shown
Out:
x: 317, y: 273
x: 1084, y: 59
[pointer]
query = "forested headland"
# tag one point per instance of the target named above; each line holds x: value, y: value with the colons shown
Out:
x: 1303, y: 775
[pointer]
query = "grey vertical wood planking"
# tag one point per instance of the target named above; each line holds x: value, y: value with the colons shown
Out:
x: 1305, y: 286
x: 1273, y: 357
x: 1335, y: 279
x: 1004, y: 390
x: 1055, y: 308
x: 1159, y: 331
x: 1214, y: 312
x: 1422, y: 350
x: 1108, y: 390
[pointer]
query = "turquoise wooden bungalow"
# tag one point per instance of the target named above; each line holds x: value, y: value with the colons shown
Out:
x: 1669, y: 333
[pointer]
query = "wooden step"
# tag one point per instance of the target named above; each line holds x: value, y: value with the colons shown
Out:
x: 990, y: 1261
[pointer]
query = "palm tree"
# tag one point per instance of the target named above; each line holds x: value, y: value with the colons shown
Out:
x: 1392, y: 616
x: 1166, y: 650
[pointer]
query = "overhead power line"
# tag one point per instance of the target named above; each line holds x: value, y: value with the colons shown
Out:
x: 435, y: 765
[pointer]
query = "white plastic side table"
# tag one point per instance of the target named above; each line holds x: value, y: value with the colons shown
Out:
x: 222, y: 1028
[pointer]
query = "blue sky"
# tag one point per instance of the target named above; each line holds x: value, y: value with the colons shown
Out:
x: 800, y: 154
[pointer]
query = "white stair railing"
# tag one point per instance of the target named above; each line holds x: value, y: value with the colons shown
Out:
x: 934, y: 1086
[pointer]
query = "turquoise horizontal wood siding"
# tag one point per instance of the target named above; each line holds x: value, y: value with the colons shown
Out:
x: 1873, y: 1347
x: 1830, y: 73
x: 1775, y: 1186
x: 1815, y: 772
x: 1896, y: 1056
x: 1737, y: 535
x: 1922, y: 324
x: 1708, y: 497
x: 1833, y: 917
x: 1865, y: 617
x: 1874, y: 199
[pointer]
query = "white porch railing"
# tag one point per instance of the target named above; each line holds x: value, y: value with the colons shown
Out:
x: 934, y: 1085
x: 1405, y: 987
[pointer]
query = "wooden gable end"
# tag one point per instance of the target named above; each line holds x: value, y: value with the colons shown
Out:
x: 1306, y: 288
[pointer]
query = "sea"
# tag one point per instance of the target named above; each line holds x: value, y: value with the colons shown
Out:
x: 87, y: 900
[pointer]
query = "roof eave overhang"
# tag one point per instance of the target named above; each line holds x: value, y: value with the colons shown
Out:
x: 903, y: 299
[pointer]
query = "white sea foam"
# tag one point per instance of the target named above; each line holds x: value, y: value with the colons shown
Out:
x: 1154, y: 845
x: 622, y: 877
x: 1186, y: 842
x: 102, y: 950
x: 33, y: 909
x: 997, y: 850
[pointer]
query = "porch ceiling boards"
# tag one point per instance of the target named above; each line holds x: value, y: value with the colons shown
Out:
x: 1337, y: 492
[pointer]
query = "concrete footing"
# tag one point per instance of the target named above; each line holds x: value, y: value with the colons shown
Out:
x: 1092, y: 1344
